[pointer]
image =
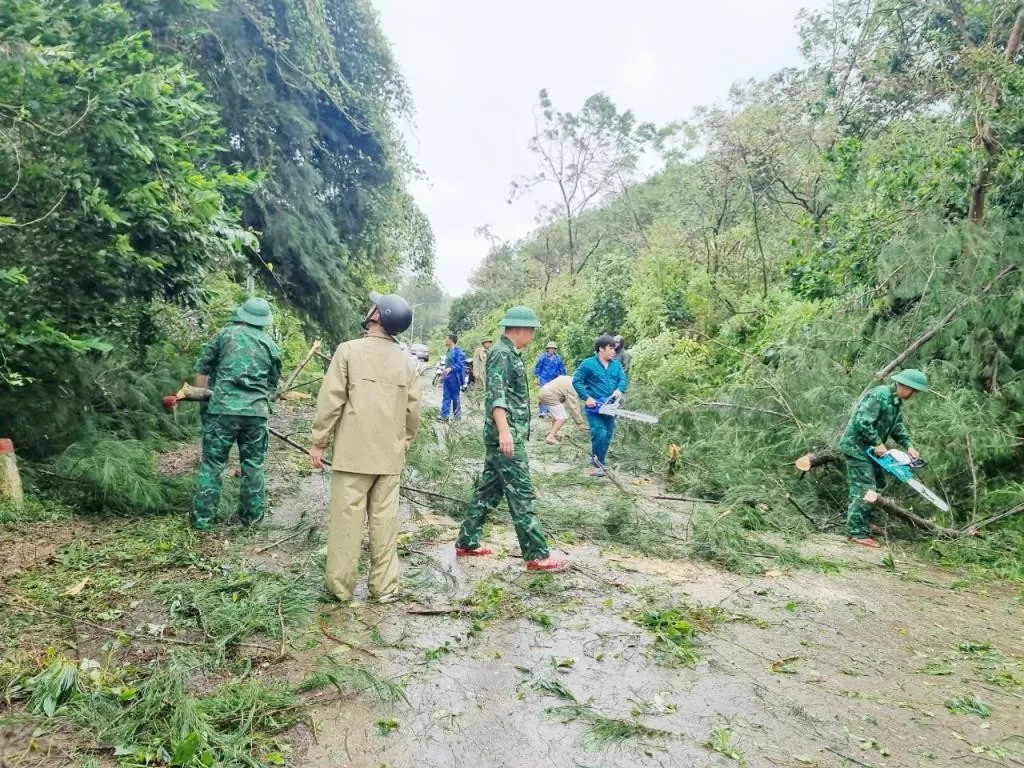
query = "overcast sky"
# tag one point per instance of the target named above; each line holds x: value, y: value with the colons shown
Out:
x: 475, y: 66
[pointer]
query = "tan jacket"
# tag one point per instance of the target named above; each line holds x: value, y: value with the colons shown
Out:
x: 370, y: 404
x: 560, y: 390
x: 480, y: 365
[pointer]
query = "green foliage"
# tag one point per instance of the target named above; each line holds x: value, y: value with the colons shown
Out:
x: 830, y: 222
x: 310, y: 94
x: 229, y: 610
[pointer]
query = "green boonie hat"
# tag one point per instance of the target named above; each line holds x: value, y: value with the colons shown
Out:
x: 520, y: 317
x: 913, y: 378
x: 488, y: 339
x: 551, y: 345
x: 254, y: 312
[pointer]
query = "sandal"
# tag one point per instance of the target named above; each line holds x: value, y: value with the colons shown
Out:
x: 478, y: 552
x: 865, y: 542
x: 551, y: 565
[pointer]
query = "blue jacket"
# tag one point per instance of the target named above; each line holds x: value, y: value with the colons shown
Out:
x: 592, y: 379
x: 549, y: 368
x: 456, y: 360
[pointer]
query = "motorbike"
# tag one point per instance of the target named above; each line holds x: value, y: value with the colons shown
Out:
x: 438, y: 373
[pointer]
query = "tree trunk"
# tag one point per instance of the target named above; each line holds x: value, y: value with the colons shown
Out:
x: 809, y: 461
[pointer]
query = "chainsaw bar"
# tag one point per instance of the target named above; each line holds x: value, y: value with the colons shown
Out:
x: 619, y: 413
x: 901, y: 466
x: 929, y: 494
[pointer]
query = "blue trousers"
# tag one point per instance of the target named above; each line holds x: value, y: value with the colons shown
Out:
x: 601, y: 430
x: 542, y: 410
x: 451, y: 399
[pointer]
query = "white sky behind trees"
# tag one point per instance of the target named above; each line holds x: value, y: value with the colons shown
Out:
x: 474, y: 68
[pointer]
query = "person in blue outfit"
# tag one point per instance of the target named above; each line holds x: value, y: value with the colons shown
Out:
x: 548, y: 368
x: 598, y: 378
x: 454, y: 378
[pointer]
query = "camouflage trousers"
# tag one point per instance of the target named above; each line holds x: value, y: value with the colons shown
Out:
x: 220, y: 432
x: 862, y: 475
x: 509, y: 477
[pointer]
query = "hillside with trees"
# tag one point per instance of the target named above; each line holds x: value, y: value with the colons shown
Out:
x: 803, y: 239
x: 159, y: 161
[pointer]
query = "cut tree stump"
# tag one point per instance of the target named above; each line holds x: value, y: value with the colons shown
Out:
x: 878, y: 500
x: 10, y: 480
x: 809, y: 461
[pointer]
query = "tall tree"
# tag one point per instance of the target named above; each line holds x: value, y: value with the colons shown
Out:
x: 585, y: 157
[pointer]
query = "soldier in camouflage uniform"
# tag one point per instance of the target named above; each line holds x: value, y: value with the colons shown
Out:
x: 506, y: 466
x: 877, y: 418
x: 245, y: 366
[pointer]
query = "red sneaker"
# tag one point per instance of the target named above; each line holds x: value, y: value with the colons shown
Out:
x: 551, y: 564
x: 868, y: 542
x: 478, y: 552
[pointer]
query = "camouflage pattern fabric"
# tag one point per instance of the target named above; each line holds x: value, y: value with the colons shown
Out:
x: 506, y: 387
x: 509, y: 477
x: 863, y: 475
x: 878, y: 416
x: 220, y: 432
x: 244, y: 364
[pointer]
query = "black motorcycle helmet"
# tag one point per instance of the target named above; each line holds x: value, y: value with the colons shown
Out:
x: 395, y: 313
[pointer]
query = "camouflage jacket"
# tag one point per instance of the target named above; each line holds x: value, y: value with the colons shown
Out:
x: 244, y: 366
x: 506, y: 387
x: 878, y: 416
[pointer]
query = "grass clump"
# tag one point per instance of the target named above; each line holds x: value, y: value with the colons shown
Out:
x: 601, y: 729
x: 968, y: 704
x: 675, y: 636
x: 720, y: 538
x: 248, y: 603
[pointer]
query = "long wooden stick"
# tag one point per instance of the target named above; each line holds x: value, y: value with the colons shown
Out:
x: 295, y: 374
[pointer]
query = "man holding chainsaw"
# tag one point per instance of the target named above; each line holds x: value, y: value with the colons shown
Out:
x: 877, y: 418
x: 369, y: 404
x: 245, y: 365
x: 599, y: 378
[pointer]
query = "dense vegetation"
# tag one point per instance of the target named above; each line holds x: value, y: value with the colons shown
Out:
x: 819, y: 229
x: 159, y: 160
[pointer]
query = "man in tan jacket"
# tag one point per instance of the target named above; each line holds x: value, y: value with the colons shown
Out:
x: 480, y: 364
x: 558, y: 395
x: 370, y: 405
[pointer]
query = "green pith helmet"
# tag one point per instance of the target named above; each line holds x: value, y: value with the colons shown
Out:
x: 254, y: 312
x: 488, y: 340
x: 913, y: 378
x: 520, y: 317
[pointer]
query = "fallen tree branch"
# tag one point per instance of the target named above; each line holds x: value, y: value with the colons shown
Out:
x: 800, y: 509
x: 438, y: 611
x: 692, y: 499
x: 928, y: 335
x: 279, y: 542
x: 295, y: 374
x: 717, y: 405
x: 878, y: 500
x: 133, y: 636
x: 973, y: 528
x: 433, y: 495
